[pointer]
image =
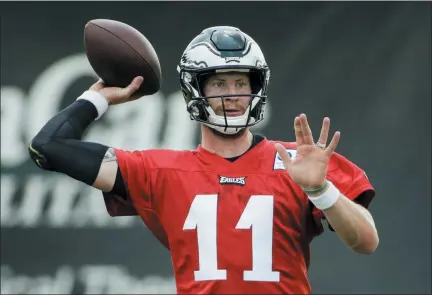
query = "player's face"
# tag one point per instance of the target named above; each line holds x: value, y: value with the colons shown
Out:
x: 228, y: 84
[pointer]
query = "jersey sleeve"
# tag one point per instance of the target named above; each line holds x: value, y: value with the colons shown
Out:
x: 351, y: 181
x: 135, y: 167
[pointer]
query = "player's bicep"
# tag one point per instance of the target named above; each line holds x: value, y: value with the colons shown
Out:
x: 106, y: 177
x: 132, y: 177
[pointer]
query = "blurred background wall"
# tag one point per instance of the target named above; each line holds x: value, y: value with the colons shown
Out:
x: 365, y: 65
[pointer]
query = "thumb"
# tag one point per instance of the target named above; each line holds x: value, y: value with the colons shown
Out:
x: 133, y: 86
x: 286, y: 159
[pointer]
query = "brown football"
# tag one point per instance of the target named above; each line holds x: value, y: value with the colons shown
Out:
x: 118, y: 53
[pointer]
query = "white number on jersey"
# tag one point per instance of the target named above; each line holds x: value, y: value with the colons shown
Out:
x: 258, y: 216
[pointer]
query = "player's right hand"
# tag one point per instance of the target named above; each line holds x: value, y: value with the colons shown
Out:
x: 118, y: 95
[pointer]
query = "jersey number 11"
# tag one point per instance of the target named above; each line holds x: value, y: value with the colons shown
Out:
x: 257, y: 215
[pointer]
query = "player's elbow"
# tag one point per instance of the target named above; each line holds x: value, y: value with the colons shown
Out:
x: 36, y: 152
x: 368, y: 245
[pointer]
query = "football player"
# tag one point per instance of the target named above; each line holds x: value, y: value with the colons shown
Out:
x: 239, y: 212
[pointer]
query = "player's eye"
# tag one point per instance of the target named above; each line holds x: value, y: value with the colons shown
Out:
x: 218, y: 84
x: 242, y: 84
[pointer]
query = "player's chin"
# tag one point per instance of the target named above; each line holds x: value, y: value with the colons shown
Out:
x: 224, y: 135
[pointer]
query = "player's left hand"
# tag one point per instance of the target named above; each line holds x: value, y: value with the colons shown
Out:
x: 309, y: 168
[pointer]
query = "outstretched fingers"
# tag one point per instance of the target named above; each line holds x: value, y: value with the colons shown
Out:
x: 298, y: 132
x: 322, y: 141
x: 286, y: 159
x: 333, y: 144
x: 307, y: 132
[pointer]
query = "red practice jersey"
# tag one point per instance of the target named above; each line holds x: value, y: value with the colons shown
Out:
x: 231, y: 227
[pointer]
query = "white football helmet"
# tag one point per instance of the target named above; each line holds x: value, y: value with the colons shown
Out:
x: 217, y: 50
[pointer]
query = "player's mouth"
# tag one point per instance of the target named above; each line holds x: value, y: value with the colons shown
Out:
x: 233, y: 112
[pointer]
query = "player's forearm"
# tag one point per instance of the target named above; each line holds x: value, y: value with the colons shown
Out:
x: 58, y: 146
x: 354, y: 224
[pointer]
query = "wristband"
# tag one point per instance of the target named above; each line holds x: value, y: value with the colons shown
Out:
x: 318, y: 191
x: 97, y: 99
x: 327, y: 199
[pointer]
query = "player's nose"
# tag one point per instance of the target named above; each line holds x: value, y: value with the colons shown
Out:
x: 231, y: 93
